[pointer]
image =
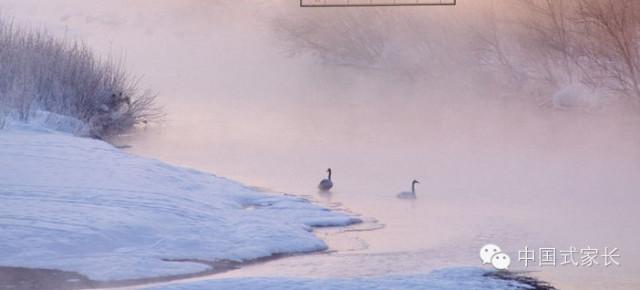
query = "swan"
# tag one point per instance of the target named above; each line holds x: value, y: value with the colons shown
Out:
x: 409, y: 194
x: 326, y: 184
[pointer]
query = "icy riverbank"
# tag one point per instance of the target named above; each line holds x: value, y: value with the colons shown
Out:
x: 77, y: 204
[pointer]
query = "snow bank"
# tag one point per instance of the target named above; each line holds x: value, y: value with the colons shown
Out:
x: 79, y: 204
x: 451, y: 278
x: 43, y: 121
x: 576, y: 95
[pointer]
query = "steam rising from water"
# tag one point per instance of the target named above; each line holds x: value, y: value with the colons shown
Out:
x: 240, y: 107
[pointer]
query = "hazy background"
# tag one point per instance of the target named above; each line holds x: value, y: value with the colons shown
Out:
x: 271, y: 94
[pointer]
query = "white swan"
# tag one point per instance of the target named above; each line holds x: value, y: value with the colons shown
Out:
x: 409, y: 194
x: 326, y: 184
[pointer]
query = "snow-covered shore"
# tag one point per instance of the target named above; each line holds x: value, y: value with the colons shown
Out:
x: 82, y: 205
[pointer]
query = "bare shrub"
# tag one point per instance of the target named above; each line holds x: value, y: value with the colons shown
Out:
x: 611, y: 43
x: 408, y: 42
x: 550, y: 33
x: 39, y: 71
x: 558, y: 43
x: 490, y: 45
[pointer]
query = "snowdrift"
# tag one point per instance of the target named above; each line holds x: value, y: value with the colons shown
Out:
x: 79, y: 204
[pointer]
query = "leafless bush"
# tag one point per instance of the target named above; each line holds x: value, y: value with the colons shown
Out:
x: 491, y: 46
x: 38, y: 71
x: 611, y: 43
x: 550, y: 32
x: 557, y: 42
x: 407, y: 41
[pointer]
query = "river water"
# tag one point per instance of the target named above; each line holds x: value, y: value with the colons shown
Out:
x: 491, y: 170
x: 500, y: 174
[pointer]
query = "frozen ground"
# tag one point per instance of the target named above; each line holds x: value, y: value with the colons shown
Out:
x: 78, y: 204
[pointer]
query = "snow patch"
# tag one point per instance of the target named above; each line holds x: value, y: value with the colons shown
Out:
x: 79, y: 204
x: 42, y: 121
x: 576, y: 95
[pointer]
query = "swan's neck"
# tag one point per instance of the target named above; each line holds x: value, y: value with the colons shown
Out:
x: 413, y: 188
x: 329, y: 174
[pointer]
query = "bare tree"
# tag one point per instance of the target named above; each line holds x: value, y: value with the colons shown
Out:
x: 549, y: 36
x: 489, y: 44
x: 592, y: 42
x: 348, y: 36
x: 407, y: 42
x: 611, y: 42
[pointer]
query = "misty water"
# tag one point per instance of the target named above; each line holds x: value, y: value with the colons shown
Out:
x: 491, y: 169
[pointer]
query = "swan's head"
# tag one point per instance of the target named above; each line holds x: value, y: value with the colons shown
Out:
x: 415, y: 181
x: 329, y: 170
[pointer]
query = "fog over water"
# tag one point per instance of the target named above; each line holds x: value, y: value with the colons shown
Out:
x: 493, y: 167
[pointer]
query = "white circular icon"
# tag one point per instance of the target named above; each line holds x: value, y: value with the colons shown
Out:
x: 487, y: 252
x: 501, y: 261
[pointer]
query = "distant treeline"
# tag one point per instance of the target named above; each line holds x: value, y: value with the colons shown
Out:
x: 532, y: 47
